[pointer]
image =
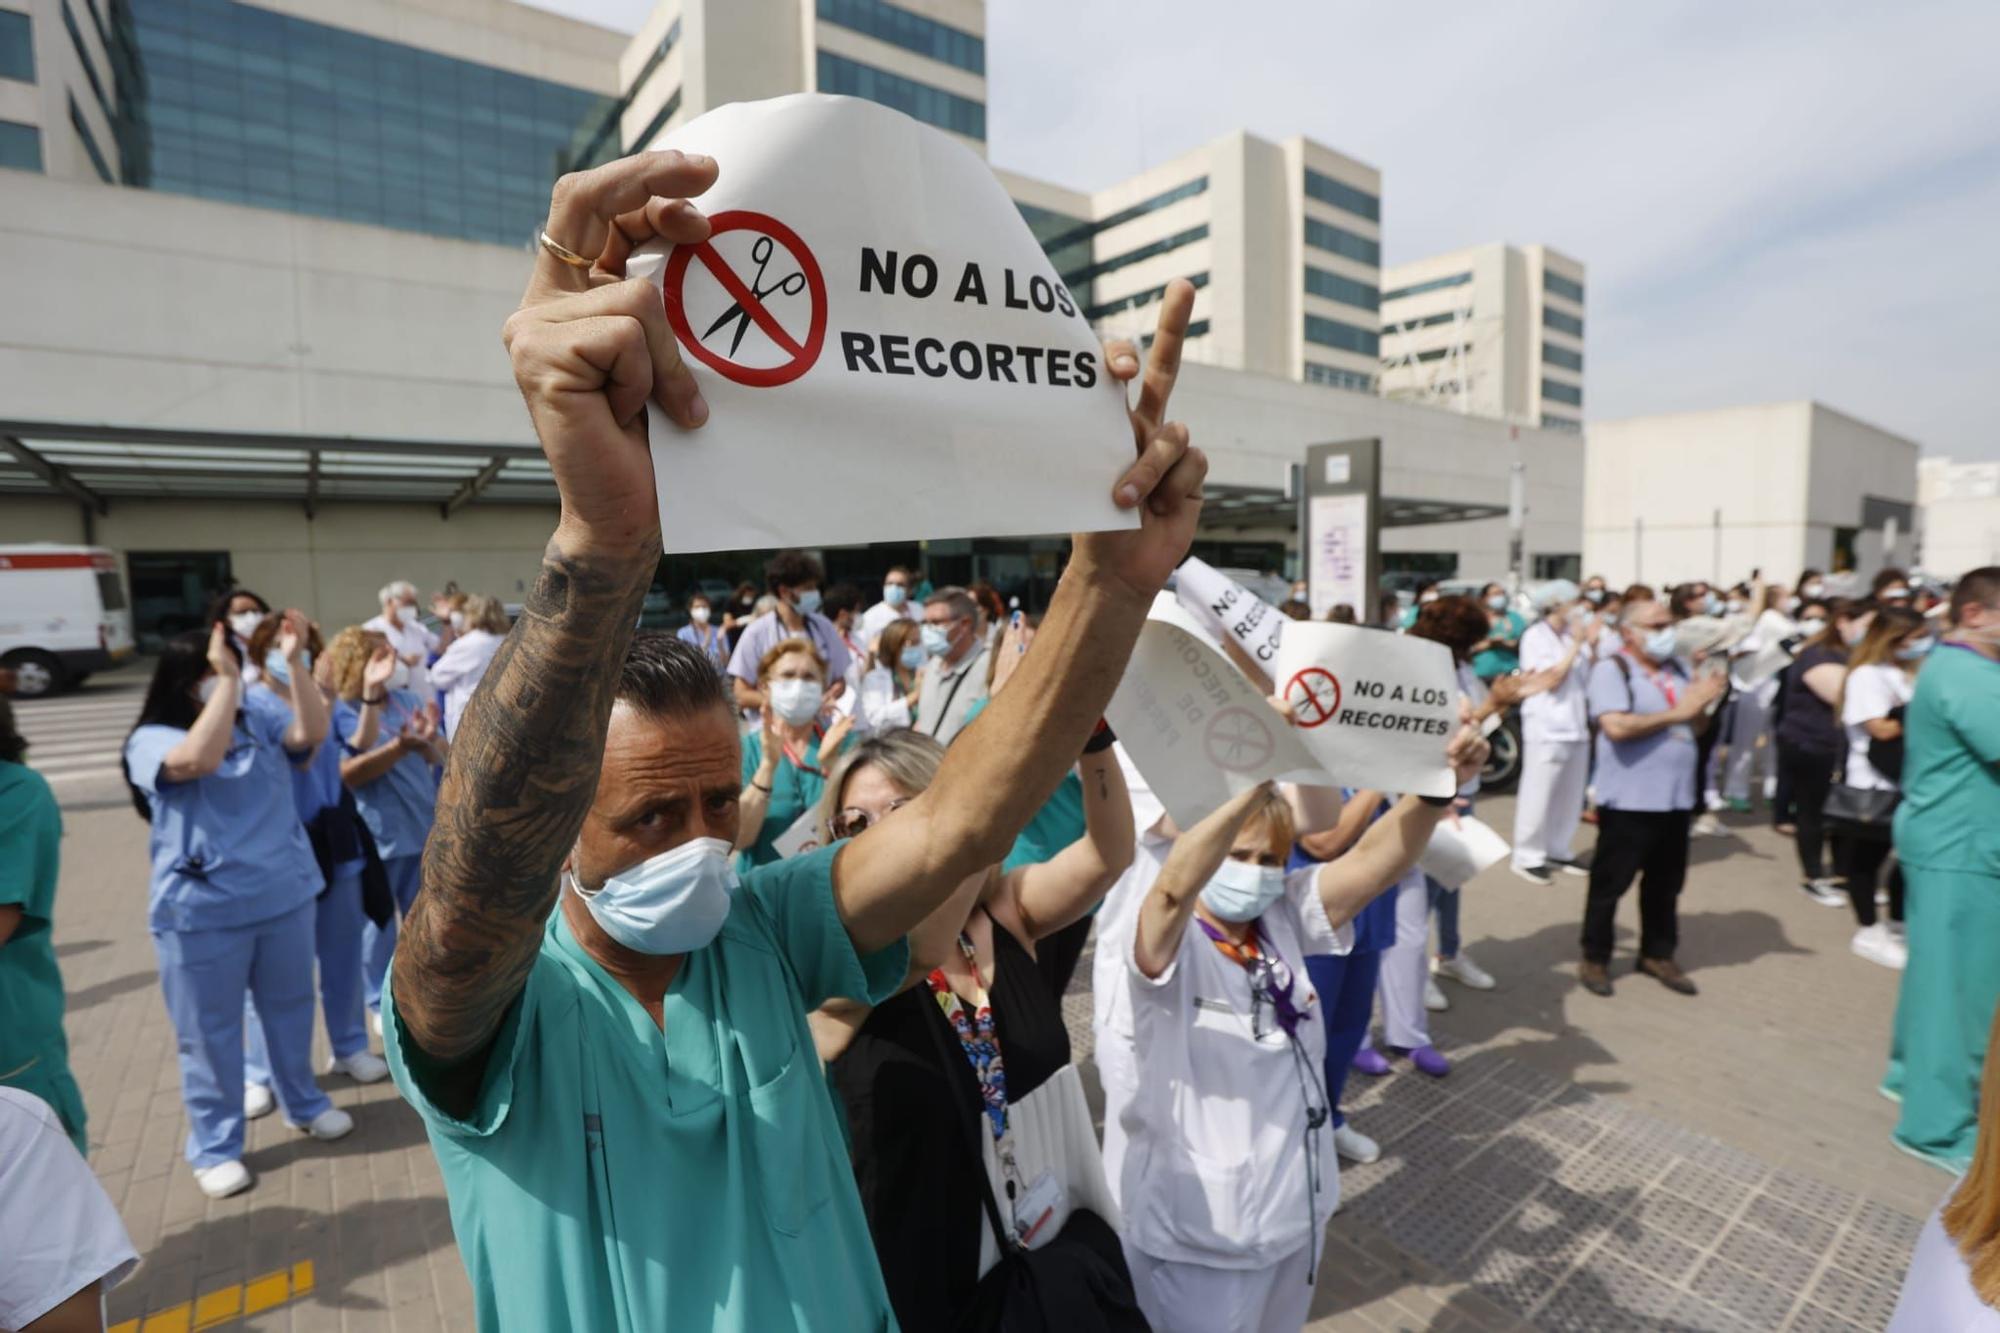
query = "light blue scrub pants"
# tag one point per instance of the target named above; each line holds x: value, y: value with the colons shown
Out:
x: 204, y: 974
x: 377, y: 943
x: 337, y: 922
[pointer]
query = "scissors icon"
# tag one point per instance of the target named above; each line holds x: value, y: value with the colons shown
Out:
x: 760, y: 254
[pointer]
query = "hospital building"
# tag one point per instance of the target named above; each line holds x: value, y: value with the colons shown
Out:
x: 258, y: 253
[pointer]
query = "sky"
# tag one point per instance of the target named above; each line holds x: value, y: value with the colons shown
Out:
x: 1772, y: 201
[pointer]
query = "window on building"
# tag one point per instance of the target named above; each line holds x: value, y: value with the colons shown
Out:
x: 1348, y: 338
x: 933, y: 106
x: 1439, y: 353
x: 254, y: 106
x: 1443, y: 317
x: 1562, y: 393
x: 1162, y: 246
x: 1197, y: 329
x: 1337, y: 378
x: 97, y: 159
x: 1402, y: 571
x: 1562, y: 356
x: 1343, y: 196
x: 1433, y: 285
x: 1185, y: 190
x: 17, y: 46
x: 104, y: 101
x: 1554, y: 421
x: 1559, y: 567
x: 1556, y: 319
x: 20, y: 146
x: 1561, y: 286
x: 1325, y: 236
x: 598, y: 140
x: 1347, y: 291
x: 1137, y: 300
x: 913, y: 32
x: 659, y: 121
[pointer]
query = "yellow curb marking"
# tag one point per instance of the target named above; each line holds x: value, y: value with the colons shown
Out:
x: 238, y: 1300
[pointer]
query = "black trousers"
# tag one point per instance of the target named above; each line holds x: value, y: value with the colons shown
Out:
x: 1651, y: 845
x: 1860, y: 863
x: 1810, y: 776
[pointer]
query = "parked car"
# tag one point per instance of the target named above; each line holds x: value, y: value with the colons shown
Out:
x: 63, y: 614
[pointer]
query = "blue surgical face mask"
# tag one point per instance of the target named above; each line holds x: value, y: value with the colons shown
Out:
x: 1241, y: 890
x: 1497, y: 602
x: 894, y: 593
x: 913, y: 656
x: 1659, y: 644
x: 1916, y: 649
x: 672, y: 904
x: 808, y: 602
x: 279, y: 670
x: 936, y: 641
x: 1713, y: 605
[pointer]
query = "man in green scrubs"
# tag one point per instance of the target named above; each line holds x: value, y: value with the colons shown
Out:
x: 603, y: 1029
x: 34, y: 1055
x: 1948, y: 841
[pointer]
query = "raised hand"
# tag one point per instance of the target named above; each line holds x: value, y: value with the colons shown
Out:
x: 1164, y: 484
x: 292, y: 634
x: 591, y: 348
x: 380, y: 666
x: 835, y: 737
x: 221, y: 657
x: 1467, y: 751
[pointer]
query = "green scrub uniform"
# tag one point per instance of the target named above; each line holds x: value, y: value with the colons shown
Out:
x: 34, y: 1055
x: 794, y: 791
x: 614, y: 1176
x: 1948, y: 840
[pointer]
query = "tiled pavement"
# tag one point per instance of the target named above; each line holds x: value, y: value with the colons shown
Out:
x: 1648, y: 1162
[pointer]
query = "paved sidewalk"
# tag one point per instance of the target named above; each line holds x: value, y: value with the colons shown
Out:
x: 1649, y: 1161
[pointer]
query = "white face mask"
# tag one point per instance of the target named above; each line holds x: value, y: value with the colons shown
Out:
x: 1241, y: 890
x: 1811, y: 626
x: 1734, y: 607
x: 796, y: 701
x: 458, y: 620
x: 1813, y: 589
x: 673, y: 903
x: 1658, y: 644
x: 1426, y: 597
x: 399, y: 675
x: 698, y: 614
x: 245, y: 623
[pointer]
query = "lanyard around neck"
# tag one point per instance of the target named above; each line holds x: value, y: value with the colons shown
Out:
x: 978, y: 1036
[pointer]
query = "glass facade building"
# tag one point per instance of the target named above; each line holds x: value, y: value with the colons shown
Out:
x: 933, y: 106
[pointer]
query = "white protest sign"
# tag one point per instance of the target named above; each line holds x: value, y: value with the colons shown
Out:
x: 1375, y: 709
x: 1229, y: 609
x: 886, y: 352
x: 1194, y: 725
x: 1460, y: 849
x: 801, y: 837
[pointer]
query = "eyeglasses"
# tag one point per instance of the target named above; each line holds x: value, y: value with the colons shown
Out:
x: 854, y: 821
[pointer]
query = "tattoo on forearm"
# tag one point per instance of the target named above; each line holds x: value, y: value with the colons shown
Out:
x: 520, y: 776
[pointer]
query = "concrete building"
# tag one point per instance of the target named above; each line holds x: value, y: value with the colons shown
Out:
x: 1958, y: 516
x: 1494, y: 331
x: 1717, y: 494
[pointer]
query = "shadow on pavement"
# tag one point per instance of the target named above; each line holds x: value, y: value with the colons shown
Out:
x: 89, y: 997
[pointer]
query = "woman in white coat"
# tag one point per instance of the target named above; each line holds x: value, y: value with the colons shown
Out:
x: 481, y: 627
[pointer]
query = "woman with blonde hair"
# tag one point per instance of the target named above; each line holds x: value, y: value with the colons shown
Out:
x: 1954, y: 1277
x: 971, y: 1137
x: 784, y: 761
x: 482, y: 625
x: 394, y: 789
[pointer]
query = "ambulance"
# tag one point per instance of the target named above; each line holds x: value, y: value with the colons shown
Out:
x: 63, y: 615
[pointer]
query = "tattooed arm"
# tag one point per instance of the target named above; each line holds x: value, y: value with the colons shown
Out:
x: 590, y: 351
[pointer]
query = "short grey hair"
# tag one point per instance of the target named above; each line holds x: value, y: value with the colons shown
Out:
x: 397, y: 591
x: 958, y: 599
x: 907, y: 758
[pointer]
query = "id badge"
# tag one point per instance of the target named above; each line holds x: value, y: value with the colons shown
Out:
x: 1040, y: 1211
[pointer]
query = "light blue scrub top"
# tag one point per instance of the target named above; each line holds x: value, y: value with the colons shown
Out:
x: 228, y: 849
x: 397, y: 807
x: 612, y: 1176
x: 317, y: 785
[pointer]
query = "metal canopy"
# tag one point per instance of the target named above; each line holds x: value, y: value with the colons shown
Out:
x: 98, y: 465
x: 1242, y: 507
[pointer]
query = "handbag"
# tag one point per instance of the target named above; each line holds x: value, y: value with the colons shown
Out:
x: 1075, y: 1283
x: 1864, y: 813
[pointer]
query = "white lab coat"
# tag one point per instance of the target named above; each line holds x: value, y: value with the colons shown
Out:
x: 460, y: 668
x: 410, y: 638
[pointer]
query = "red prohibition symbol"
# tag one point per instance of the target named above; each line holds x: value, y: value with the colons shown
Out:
x: 1314, y: 695
x: 716, y: 345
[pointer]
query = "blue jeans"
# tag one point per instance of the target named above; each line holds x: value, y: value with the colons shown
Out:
x: 337, y: 922
x: 377, y: 943
x: 1346, y: 987
x: 1444, y: 906
x: 204, y: 974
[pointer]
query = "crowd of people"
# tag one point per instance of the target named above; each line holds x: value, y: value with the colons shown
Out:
x: 725, y: 967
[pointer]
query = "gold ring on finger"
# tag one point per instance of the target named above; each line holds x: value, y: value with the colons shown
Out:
x: 563, y: 252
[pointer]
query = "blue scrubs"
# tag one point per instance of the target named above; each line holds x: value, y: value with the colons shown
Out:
x: 230, y: 909
x: 1346, y: 985
x: 337, y: 922
x: 397, y: 808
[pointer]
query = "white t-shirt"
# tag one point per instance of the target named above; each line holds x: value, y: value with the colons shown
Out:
x: 1205, y: 1115
x: 879, y: 617
x: 881, y: 705
x: 1563, y: 713
x: 58, y: 1230
x: 1937, y: 1293
x: 1873, y: 691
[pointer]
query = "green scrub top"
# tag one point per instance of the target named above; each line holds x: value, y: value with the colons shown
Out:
x: 612, y: 1176
x: 34, y: 1054
x: 1491, y: 662
x: 794, y: 791
x: 1949, y: 818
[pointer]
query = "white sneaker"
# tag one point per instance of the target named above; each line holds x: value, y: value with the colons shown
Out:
x: 362, y: 1067
x: 224, y: 1178
x: 1825, y: 892
x: 1355, y: 1146
x: 257, y: 1101
x: 1465, y: 972
x: 1877, y: 945
x: 1434, y: 999
x: 1708, y: 826
x: 375, y: 1021
x: 1716, y: 802
x: 330, y: 1124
